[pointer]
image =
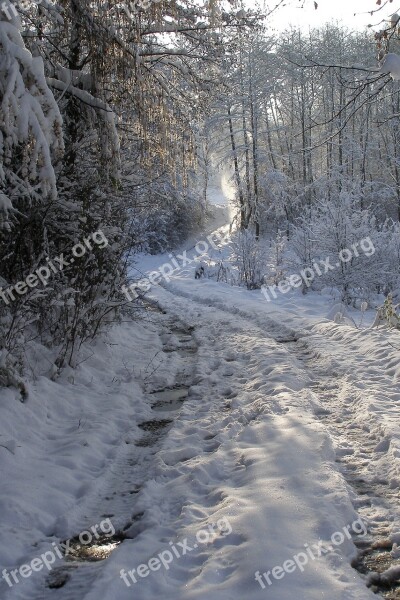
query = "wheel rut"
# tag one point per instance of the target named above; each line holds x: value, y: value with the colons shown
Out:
x: 73, y: 576
x: 359, y: 446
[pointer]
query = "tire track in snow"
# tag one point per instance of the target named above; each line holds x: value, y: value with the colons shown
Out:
x: 134, y: 465
x: 359, y: 444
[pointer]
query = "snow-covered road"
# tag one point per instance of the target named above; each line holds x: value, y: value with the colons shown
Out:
x: 280, y: 448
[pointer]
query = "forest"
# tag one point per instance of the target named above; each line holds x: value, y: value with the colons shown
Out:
x: 114, y: 117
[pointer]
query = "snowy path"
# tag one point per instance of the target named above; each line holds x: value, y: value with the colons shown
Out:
x: 249, y: 447
x: 245, y: 448
x: 355, y: 392
x: 132, y: 466
x: 273, y: 427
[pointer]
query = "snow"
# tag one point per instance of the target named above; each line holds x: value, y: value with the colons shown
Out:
x: 391, y: 64
x: 248, y: 448
x: 30, y: 116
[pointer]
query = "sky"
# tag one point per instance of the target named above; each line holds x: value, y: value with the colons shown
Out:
x: 330, y: 10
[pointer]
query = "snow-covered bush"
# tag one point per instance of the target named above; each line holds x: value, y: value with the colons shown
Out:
x: 276, y: 266
x: 250, y: 257
x: 389, y: 313
x: 391, y: 259
x: 335, y: 232
x: 50, y: 200
x: 303, y: 248
x: 278, y: 200
x: 165, y: 216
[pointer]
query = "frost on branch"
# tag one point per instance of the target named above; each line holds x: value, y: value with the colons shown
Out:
x: 6, y: 210
x: 30, y: 125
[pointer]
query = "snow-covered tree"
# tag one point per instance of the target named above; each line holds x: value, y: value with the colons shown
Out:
x: 30, y: 126
x: 99, y: 110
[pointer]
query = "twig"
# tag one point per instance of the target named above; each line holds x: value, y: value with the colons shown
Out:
x: 7, y: 449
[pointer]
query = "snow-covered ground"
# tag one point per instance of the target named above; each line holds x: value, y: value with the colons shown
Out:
x: 286, y: 447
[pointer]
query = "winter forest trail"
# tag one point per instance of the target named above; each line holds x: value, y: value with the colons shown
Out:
x: 353, y: 379
x: 280, y: 424
x: 355, y: 396
x: 199, y: 222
